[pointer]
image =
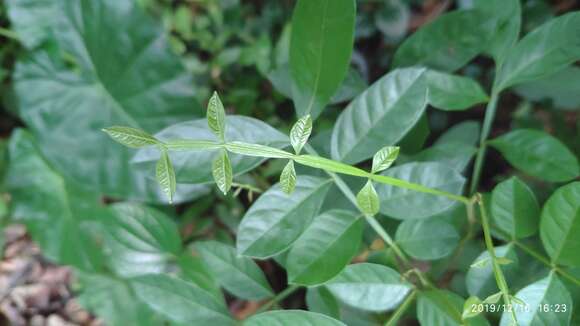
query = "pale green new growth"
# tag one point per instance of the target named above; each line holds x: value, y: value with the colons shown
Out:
x: 216, y: 116
x: 494, y: 298
x: 288, y: 178
x: 480, y: 263
x: 166, y: 175
x: 384, y: 158
x: 131, y: 137
x: 468, y: 307
x: 368, y: 200
x: 222, y: 171
x: 300, y: 133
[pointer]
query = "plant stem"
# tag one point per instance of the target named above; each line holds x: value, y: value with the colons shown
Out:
x: 8, y: 33
x: 387, y: 238
x: 498, y: 273
x: 485, y: 130
x: 546, y: 262
x: 401, y: 310
x: 279, y: 297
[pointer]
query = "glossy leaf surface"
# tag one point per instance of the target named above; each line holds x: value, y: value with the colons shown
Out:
x: 515, y: 209
x: 277, y: 219
x: 402, y: 203
x: 544, y: 51
x: 180, y: 301
x: 548, y: 302
x: 560, y: 225
x: 69, y: 108
x: 427, y: 239
x: 369, y: 287
x: 380, y: 116
x: 141, y: 240
x: 538, y: 154
x: 238, y: 275
x: 325, y: 247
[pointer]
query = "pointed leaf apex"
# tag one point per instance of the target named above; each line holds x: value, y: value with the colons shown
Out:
x: 216, y: 116
x: 384, y: 158
x: 300, y: 133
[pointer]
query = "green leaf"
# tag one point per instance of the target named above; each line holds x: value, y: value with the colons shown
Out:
x: 480, y: 280
x: 325, y: 248
x: 31, y: 20
x: 107, y: 87
x: 58, y: 215
x: 546, y: 50
x: 291, y: 318
x: 494, y: 298
x: 221, y: 169
x: 194, y: 166
x: 441, y: 307
x: 276, y: 220
x: 367, y: 199
x: 166, y: 175
x: 237, y: 274
x: 560, y: 89
x: 403, y: 203
x: 300, y: 133
x: 193, y: 269
x: 320, y: 300
x: 455, y: 155
x: 538, y: 154
x: 468, y: 311
x: 320, y: 49
x: 384, y: 158
x: 560, y: 225
x: 453, y: 93
x: 131, y: 137
x: 369, y: 287
x: 548, y: 302
x: 447, y: 43
x: 380, y: 116
x: 466, y: 132
x: 515, y: 209
x: 141, y: 240
x: 427, y: 239
x: 113, y: 301
x: 507, y: 19
x: 216, y: 116
x: 480, y: 263
x: 288, y: 178
x: 179, y: 301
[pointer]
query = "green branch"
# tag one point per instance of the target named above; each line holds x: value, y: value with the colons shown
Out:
x: 485, y: 130
x: 498, y: 273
